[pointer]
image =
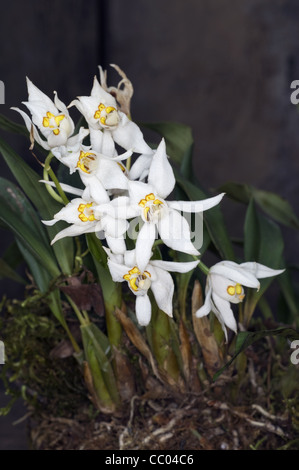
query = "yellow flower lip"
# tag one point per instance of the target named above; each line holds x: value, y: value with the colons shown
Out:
x: 137, y: 280
x: 53, y: 122
x: 85, y: 161
x: 147, y: 204
x: 236, y: 290
x: 107, y: 115
x: 86, y: 213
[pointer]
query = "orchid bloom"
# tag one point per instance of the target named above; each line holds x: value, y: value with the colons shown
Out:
x: 85, y: 216
x: 51, y: 119
x: 225, y: 283
x: 93, y: 166
x: 148, y: 201
x: 155, y: 276
x: 101, y: 113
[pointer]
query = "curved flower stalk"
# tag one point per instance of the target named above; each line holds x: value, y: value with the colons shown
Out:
x: 155, y: 276
x: 149, y: 201
x: 50, y: 118
x: 224, y: 285
x: 85, y: 216
x: 112, y: 126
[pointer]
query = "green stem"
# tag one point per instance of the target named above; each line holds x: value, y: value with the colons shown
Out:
x: 50, y: 172
x: 203, y: 267
x: 82, y: 318
x: 72, y: 339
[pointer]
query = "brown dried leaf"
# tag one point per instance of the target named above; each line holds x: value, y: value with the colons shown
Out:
x: 137, y: 339
x: 186, y: 351
x: 85, y: 296
x: 124, y: 375
x: 211, y: 354
x: 62, y: 350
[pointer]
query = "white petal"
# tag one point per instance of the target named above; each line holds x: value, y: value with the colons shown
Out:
x: 196, y: 206
x: 65, y: 187
x: 117, y: 245
x: 174, y: 266
x: 35, y: 94
x: 57, y: 140
x: 70, y: 213
x: 163, y: 289
x: 207, y: 306
x: 73, y: 231
x: 143, y: 309
x: 140, y: 166
x: 226, y: 312
x: 30, y: 126
x: 107, y: 146
x: 111, y: 175
x: 138, y: 190
x: 87, y: 105
x: 101, y: 95
x: 95, y: 189
x: 233, y: 271
x: 130, y: 258
x: 114, y: 227
x: 120, y: 208
x: 161, y: 175
x: 144, y: 244
x: 78, y: 138
x: 260, y: 271
x: 49, y: 222
x: 121, y: 157
x: 129, y: 136
x: 175, y: 232
x: 117, y: 270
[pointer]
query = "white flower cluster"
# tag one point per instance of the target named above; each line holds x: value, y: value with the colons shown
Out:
x: 115, y: 192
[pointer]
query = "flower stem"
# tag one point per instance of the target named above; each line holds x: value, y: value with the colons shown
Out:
x: 83, y: 318
x: 49, y: 172
x: 202, y: 266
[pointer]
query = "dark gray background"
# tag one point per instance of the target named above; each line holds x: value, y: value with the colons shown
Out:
x: 223, y: 67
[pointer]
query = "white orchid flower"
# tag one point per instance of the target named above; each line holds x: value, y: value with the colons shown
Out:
x: 94, y: 167
x: 85, y: 215
x: 155, y: 276
x: 224, y: 285
x: 101, y: 113
x: 149, y: 201
x: 50, y: 119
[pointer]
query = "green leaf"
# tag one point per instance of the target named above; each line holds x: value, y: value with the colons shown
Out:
x: 178, y: 138
x: 10, y: 126
x: 287, y: 290
x: 272, y: 204
x: 18, y: 215
x: 263, y: 243
x: 245, y: 338
x: 112, y: 294
x: 40, y: 274
x: 13, y: 256
x: 28, y: 179
x: 7, y: 272
x: 94, y: 339
x: 187, y: 164
x: 213, y: 219
x: 238, y: 192
x: 276, y: 207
